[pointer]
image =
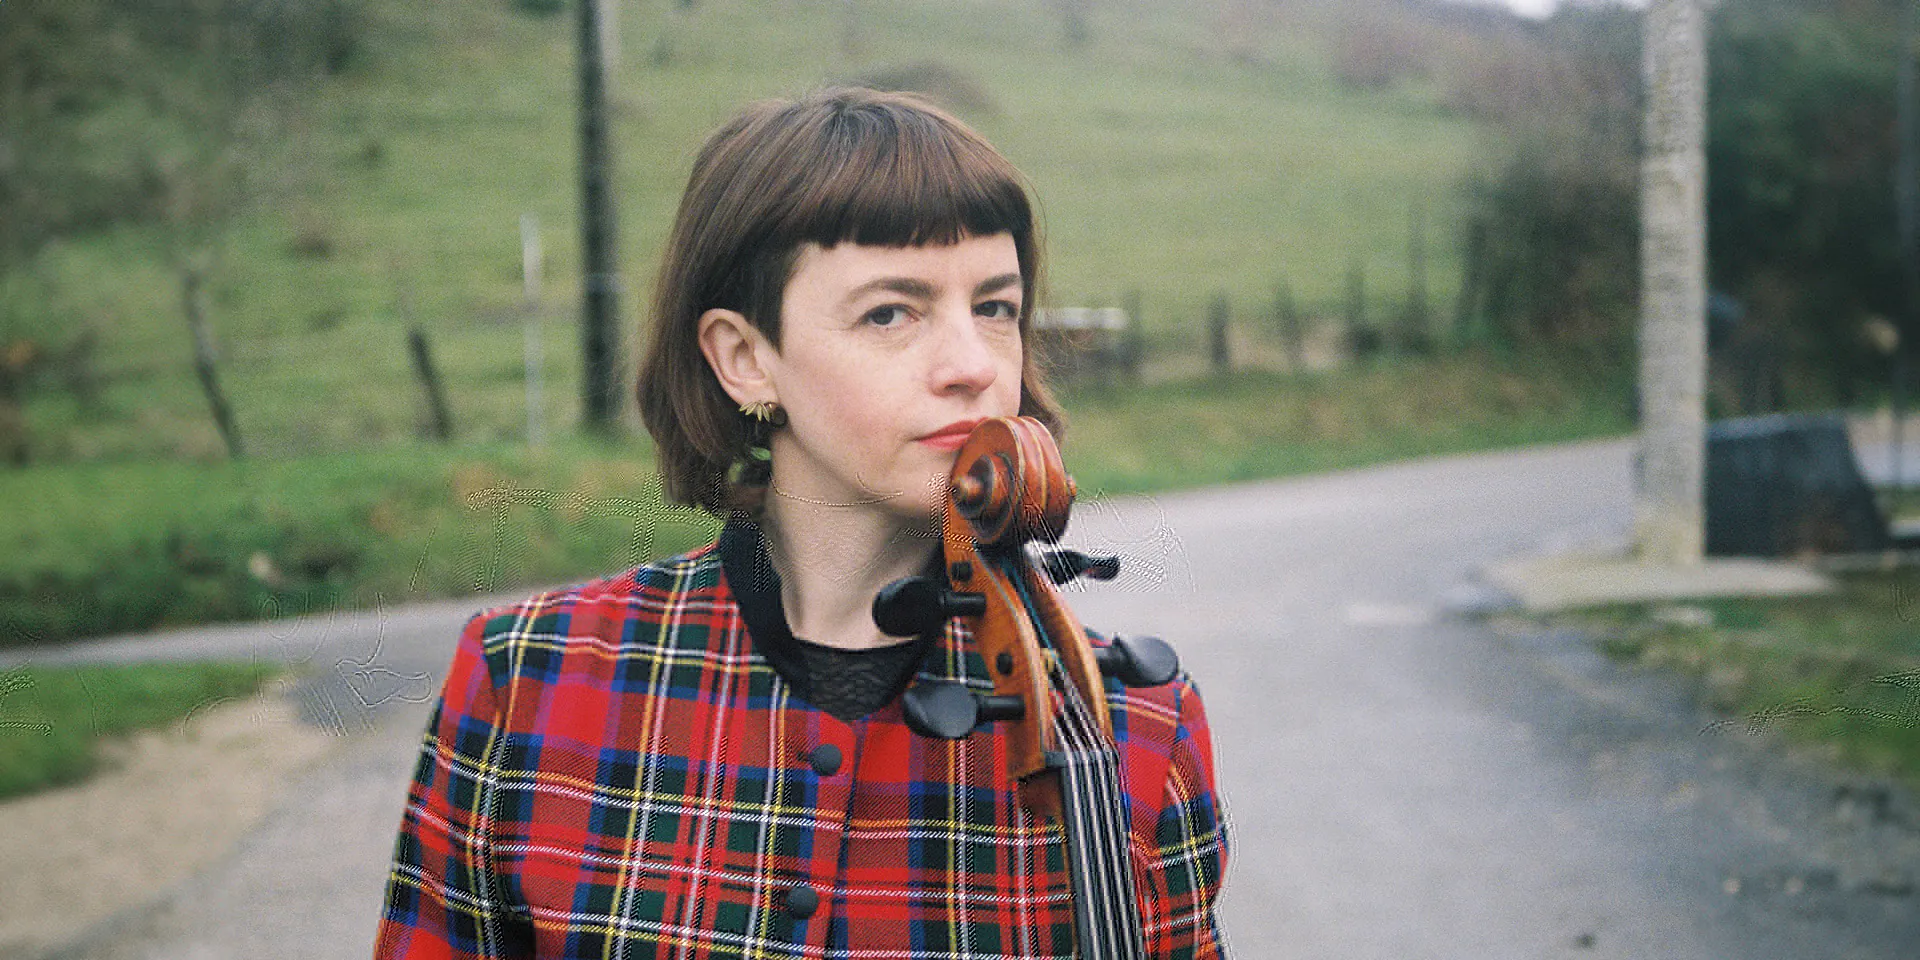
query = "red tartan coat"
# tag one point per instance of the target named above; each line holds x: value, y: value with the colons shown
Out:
x: 614, y: 770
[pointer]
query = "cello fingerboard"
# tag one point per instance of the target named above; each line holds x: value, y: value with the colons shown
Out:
x: 1106, y: 909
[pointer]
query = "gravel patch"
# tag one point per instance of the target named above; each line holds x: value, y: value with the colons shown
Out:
x: 170, y: 803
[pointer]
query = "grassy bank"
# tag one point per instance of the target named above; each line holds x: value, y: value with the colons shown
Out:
x: 1255, y: 425
x: 127, y: 546
x: 1840, y: 671
x: 55, y: 720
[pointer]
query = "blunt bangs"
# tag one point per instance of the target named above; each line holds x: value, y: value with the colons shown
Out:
x: 902, y: 180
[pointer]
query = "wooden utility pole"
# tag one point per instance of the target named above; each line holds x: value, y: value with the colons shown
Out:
x: 1906, y: 198
x: 600, y: 304
x: 1669, y: 508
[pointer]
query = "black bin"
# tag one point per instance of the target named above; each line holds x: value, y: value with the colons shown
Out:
x: 1786, y: 485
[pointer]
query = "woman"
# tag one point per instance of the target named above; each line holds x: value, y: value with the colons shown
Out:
x: 706, y: 756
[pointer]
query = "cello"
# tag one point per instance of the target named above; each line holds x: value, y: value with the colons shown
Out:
x: 1008, y: 489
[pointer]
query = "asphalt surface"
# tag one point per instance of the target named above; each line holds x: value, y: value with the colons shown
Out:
x: 1403, y: 780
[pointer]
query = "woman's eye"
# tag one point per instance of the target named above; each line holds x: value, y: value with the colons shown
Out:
x: 998, y: 310
x: 885, y: 316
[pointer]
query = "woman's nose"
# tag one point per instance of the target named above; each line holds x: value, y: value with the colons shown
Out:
x: 965, y: 358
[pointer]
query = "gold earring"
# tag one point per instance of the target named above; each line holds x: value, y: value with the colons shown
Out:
x: 762, y: 410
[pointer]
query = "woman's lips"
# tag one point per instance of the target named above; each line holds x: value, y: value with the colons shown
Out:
x: 951, y: 436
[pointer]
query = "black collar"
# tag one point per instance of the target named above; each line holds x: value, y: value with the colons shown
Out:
x: 756, y: 588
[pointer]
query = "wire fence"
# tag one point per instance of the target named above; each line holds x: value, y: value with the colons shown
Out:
x: 516, y: 376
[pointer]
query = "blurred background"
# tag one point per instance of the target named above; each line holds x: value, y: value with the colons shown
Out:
x: 276, y: 275
x: 291, y: 296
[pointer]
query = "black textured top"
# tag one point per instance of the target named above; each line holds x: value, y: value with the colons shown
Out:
x: 853, y: 683
x: 847, y: 684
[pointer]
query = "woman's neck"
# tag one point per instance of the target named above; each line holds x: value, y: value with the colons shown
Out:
x: 832, y: 559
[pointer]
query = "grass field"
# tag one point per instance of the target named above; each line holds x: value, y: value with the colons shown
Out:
x: 1176, y: 155
x: 125, y: 546
x: 53, y: 720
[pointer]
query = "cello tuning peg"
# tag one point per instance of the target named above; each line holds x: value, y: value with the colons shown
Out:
x: 947, y: 710
x: 1138, y: 661
x: 917, y: 606
x: 1064, y: 565
x: 941, y: 709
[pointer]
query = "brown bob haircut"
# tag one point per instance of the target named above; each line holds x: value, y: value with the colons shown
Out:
x: 842, y: 165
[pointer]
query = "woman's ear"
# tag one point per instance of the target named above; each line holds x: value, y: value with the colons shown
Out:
x: 735, y: 348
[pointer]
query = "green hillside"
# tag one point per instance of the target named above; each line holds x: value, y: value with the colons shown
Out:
x: 1179, y: 151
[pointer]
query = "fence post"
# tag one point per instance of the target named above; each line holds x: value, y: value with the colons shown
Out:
x: 536, y: 431
x: 1417, y: 333
x: 430, y: 382
x: 1287, y: 320
x: 1217, y: 316
x: 1464, y: 327
x: 17, y: 357
x: 1359, y: 336
x: 1133, y: 348
x: 204, y: 361
x: 531, y: 262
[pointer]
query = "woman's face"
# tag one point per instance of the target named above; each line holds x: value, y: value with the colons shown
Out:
x: 887, y: 357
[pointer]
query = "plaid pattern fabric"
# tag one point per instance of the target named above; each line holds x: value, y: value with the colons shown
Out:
x: 614, y: 771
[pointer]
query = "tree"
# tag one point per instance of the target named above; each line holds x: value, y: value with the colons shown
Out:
x: 1800, y: 121
x: 1801, y: 199
x: 1558, y: 224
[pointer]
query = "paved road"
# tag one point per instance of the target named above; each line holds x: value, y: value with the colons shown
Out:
x: 1403, y: 783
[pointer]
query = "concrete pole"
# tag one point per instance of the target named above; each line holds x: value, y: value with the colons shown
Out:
x: 1669, y: 508
x: 609, y: 13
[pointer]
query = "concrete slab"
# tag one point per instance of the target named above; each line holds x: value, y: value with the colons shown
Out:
x: 1605, y: 572
x: 1608, y: 573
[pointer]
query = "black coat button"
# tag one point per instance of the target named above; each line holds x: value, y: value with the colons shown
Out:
x: 825, y: 759
x: 802, y: 901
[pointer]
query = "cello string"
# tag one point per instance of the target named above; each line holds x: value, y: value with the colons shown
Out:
x: 1099, y: 836
x: 1107, y: 916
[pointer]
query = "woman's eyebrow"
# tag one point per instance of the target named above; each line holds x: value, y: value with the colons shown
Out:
x: 922, y: 290
x: 996, y: 284
x: 905, y: 286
